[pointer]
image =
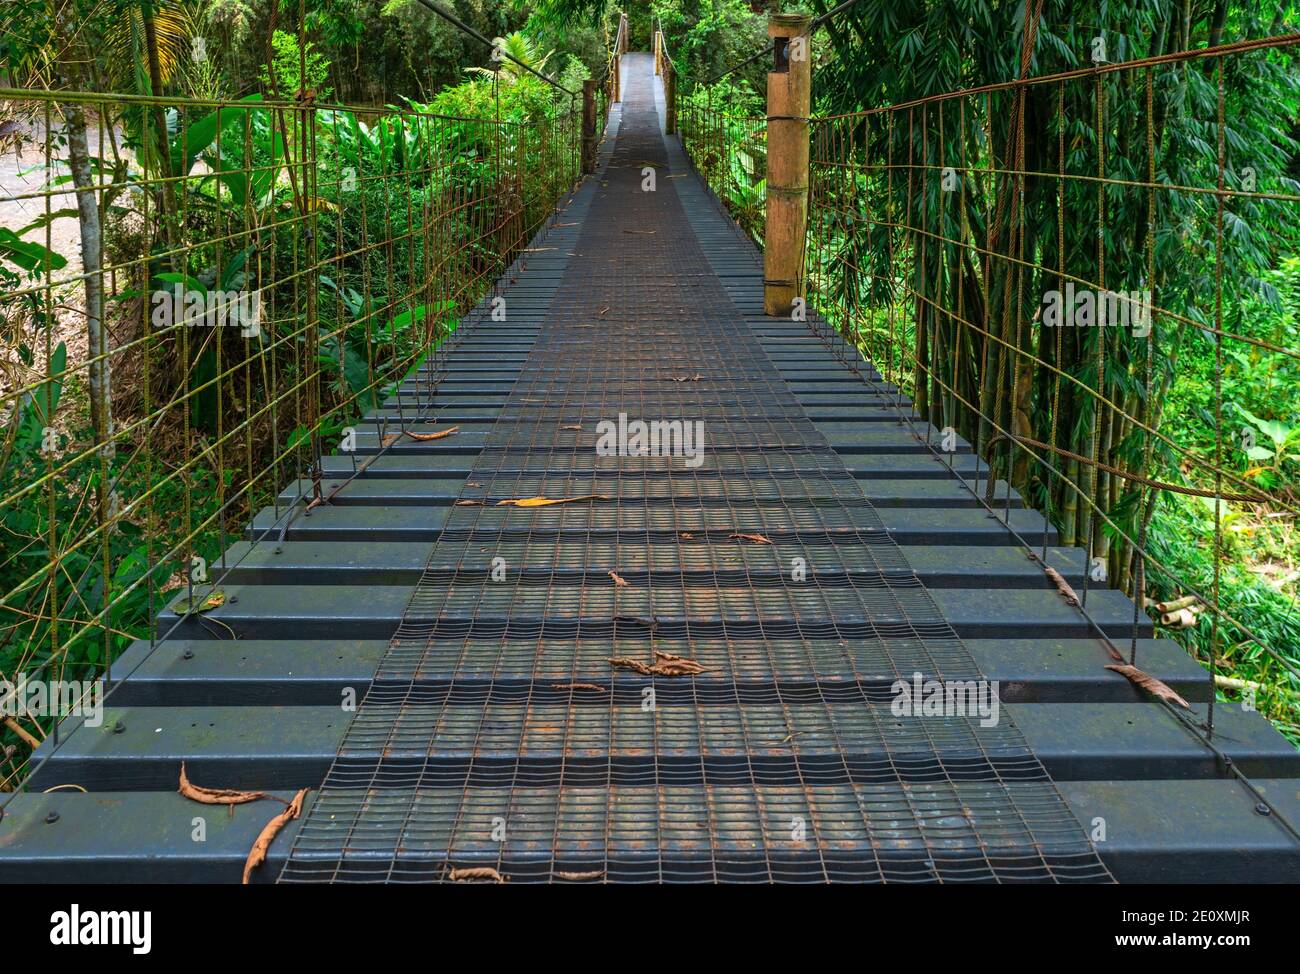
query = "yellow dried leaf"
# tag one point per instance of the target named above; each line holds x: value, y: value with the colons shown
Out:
x: 548, y: 501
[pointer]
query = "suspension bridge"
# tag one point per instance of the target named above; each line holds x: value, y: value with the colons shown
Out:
x: 494, y: 649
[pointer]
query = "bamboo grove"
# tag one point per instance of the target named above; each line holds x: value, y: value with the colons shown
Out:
x: 1035, y: 259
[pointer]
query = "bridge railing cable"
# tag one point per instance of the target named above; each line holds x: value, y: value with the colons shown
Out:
x: 258, y: 276
x: 1056, y: 297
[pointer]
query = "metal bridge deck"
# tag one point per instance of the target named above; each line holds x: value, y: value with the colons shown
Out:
x: 492, y: 729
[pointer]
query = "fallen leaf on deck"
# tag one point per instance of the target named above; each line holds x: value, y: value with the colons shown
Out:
x: 579, y: 877
x: 1061, y: 584
x: 257, y: 855
x: 619, y: 580
x: 578, y: 686
x: 547, y: 501
x: 468, y: 503
x: 474, y: 873
x: 756, y: 538
x: 213, y: 600
x: 422, y: 437
x: 216, y: 796
x: 390, y: 439
x: 575, y: 427
x: 665, y: 664
x: 1157, y: 688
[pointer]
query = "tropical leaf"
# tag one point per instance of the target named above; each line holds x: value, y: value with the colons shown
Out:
x: 188, y: 145
x: 173, y: 28
x: 28, y: 255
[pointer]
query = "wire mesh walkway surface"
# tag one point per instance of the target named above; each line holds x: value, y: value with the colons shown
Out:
x: 687, y: 667
x: 497, y: 732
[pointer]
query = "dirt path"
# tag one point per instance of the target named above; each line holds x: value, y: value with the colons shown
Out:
x: 24, y: 177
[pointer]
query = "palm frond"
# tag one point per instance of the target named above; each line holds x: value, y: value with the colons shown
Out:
x: 174, y: 27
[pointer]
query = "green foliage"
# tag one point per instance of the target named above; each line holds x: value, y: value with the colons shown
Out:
x: 1182, y: 537
x: 296, y: 70
x: 905, y: 266
x: 411, y: 211
x: 514, y: 54
x: 722, y: 126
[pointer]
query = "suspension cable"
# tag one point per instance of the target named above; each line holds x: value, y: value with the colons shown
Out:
x: 816, y: 24
x: 455, y: 21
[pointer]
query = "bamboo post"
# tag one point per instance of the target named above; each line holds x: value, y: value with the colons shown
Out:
x: 788, y: 105
x: 659, y: 39
x: 589, y: 125
x: 670, y: 97
x: 620, y: 48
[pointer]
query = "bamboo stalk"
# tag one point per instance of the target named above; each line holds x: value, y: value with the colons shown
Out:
x: 27, y: 737
x: 788, y: 104
x: 1235, y: 683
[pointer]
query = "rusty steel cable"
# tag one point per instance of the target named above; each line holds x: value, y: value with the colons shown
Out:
x: 211, y: 419
x: 881, y: 306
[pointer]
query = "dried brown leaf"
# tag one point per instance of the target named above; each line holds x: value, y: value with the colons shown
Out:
x: 215, y: 796
x: 1147, y: 682
x: 424, y: 437
x: 469, y: 503
x: 619, y: 580
x: 672, y: 660
x: 579, y: 877
x: 1061, y: 584
x: 666, y: 664
x: 578, y: 686
x: 257, y: 855
x: 756, y: 538
x: 475, y: 873
x: 390, y: 439
x: 574, y: 427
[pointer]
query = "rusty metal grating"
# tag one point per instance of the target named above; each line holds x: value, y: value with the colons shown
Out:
x: 497, y: 734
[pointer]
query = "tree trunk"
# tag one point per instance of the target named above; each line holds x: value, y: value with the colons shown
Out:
x: 83, y: 178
